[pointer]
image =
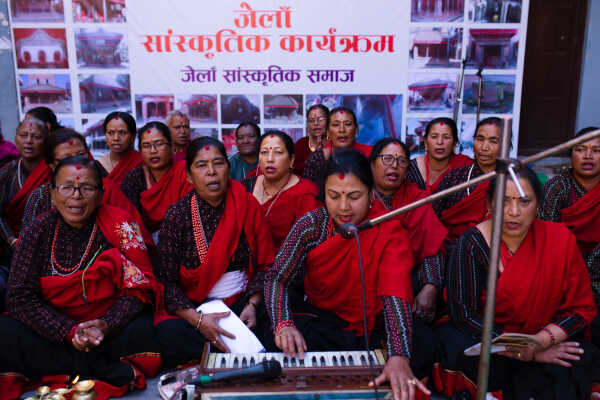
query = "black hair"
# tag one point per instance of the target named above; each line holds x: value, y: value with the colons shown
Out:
x: 39, y: 123
x: 489, y: 120
x: 85, y: 163
x: 444, y: 120
x: 45, y: 115
x: 382, y: 143
x: 347, y: 161
x: 126, y: 117
x: 203, y: 141
x: 250, y: 124
x: 530, y: 176
x: 162, y: 128
x: 583, y: 132
x: 319, y: 106
x: 59, y: 137
x: 340, y: 109
x: 285, y: 138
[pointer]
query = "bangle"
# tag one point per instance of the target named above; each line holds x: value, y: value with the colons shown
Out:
x: 284, y: 324
x: 549, y: 332
x: 12, y: 242
x: 200, y: 317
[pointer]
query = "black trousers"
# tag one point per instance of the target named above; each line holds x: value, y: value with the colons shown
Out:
x: 27, y: 353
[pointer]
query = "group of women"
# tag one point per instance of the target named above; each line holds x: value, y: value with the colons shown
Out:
x: 111, y: 259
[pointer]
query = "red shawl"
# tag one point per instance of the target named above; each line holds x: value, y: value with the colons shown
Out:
x: 363, y: 148
x: 242, y: 211
x: 170, y: 188
x: 333, y: 281
x: 547, y: 276
x: 425, y: 231
x: 467, y: 213
x: 179, y: 155
x: 583, y: 219
x: 129, y: 161
x: 456, y: 161
x: 291, y: 205
x: 16, y: 207
x: 301, y: 153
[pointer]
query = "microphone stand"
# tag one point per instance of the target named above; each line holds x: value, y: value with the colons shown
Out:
x: 479, y: 90
x: 458, y: 91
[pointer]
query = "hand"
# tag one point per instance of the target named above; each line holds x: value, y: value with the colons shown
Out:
x: 425, y: 302
x: 397, y: 371
x: 89, y: 334
x: 210, y: 329
x: 290, y: 341
x: 521, y: 353
x: 248, y: 315
x: 559, y: 354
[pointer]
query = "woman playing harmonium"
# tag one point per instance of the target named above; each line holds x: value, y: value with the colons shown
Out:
x: 428, y: 170
x: 316, y: 127
x: 159, y: 182
x: 331, y: 317
x: 214, y: 244
x: 342, y: 129
x: 543, y: 290
x: 119, y: 128
x: 466, y: 208
x: 283, y: 196
x: 77, y: 294
x: 389, y: 162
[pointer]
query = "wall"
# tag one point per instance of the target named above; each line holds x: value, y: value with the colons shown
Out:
x: 589, y: 92
x: 9, y: 115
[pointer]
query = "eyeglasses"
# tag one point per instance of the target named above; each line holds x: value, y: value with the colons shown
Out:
x: 388, y: 160
x: 147, y: 146
x: 317, y: 120
x: 86, y: 191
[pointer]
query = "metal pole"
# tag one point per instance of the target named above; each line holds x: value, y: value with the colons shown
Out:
x: 479, y: 88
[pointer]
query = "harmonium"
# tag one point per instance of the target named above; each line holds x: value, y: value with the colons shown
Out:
x: 331, y: 375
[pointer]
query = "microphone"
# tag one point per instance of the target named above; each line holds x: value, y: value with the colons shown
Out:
x: 268, y: 369
x: 347, y: 230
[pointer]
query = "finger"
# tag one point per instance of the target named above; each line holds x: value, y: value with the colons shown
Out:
x: 568, y: 356
x: 411, y: 391
x: 300, y: 345
x: 220, y: 315
x: 225, y: 333
x: 251, y: 323
x: 403, y: 387
x: 380, y: 379
x: 562, y: 363
x: 291, y: 345
x: 423, y: 388
x: 221, y: 345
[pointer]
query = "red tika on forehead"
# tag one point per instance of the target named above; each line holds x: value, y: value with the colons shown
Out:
x: 442, y: 124
x: 206, y: 147
x: 77, y: 178
x: 78, y: 166
x: 341, y: 176
x: 271, y: 136
x: 341, y: 112
x: 71, y: 142
x: 147, y: 130
x: 490, y: 123
x: 116, y: 117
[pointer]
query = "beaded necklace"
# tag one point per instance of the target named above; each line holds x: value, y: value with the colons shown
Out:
x: 199, y: 235
x: 59, y: 269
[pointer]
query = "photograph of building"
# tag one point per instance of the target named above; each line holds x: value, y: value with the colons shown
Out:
x: 435, y: 47
x: 101, y: 48
x: 283, y: 109
x: 199, y: 107
x: 437, y: 10
x: 100, y: 92
x: 99, y: 11
x: 415, y: 134
x: 93, y: 131
x: 228, y: 139
x: 49, y: 90
x: 238, y: 108
x: 497, y: 94
x: 493, y: 48
x: 41, y: 48
x: 153, y: 107
x: 294, y: 133
x: 199, y: 132
x: 431, y: 92
x: 500, y: 11
x: 37, y: 10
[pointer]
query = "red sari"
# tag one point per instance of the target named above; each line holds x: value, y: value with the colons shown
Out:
x: 583, y: 219
x: 16, y: 207
x: 333, y: 283
x: 171, y: 187
x: 456, y: 161
x: 242, y: 212
x: 130, y: 160
x: 467, y: 213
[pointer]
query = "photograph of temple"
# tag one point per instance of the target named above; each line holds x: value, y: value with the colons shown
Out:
x: 100, y: 93
x: 93, y: 131
x: 99, y: 11
x: 37, y: 10
x: 101, y: 48
x: 283, y: 109
x: 435, y: 47
x: 415, y: 134
x: 48, y: 90
x: 294, y: 133
x: 228, y: 139
x: 497, y: 94
x: 151, y: 107
x: 199, y: 132
x: 493, y: 48
x: 437, y: 10
x: 500, y: 11
x: 199, y: 107
x: 431, y: 92
x: 41, y: 48
x: 236, y: 108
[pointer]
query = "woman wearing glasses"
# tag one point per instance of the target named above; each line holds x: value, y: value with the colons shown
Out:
x: 76, y: 295
x: 316, y: 126
x: 159, y: 182
x: 389, y: 161
x: 119, y: 128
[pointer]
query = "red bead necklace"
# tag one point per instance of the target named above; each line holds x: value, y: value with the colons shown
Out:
x: 55, y: 262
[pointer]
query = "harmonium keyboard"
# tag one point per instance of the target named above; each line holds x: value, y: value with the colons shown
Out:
x: 327, y: 374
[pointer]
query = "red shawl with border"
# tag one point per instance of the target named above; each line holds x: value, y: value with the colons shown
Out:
x: 242, y: 211
x: 467, y: 213
x: 583, y: 219
x: 333, y: 281
x: 546, y: 276
x: 363, y: 148
x: 16, y: 207
x: 129, y: 161
x: 456, y: 161
x: 171, y: 187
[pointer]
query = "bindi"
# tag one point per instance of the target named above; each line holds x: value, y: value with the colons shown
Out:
x: 341, y: 176
x: 271, y: 136
x: 78, y: 166
x: 442, y: 124
x: 71, y: 142
x: 77, y: 178
x: 206, y: 147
